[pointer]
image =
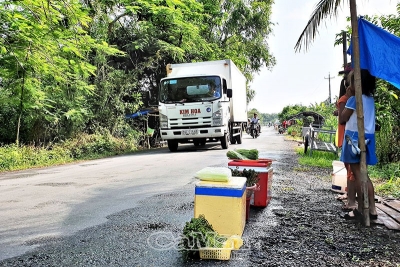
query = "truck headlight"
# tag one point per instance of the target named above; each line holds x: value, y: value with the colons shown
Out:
x: 217, y: 118
x: 163, y: 121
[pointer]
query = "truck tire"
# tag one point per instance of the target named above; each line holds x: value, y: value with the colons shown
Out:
x: 225, y: 141
x: 173, y: 145
x: 233, y: 139
x: 239, y: 138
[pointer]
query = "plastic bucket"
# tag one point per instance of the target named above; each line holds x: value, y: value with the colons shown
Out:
x: 339, y: 177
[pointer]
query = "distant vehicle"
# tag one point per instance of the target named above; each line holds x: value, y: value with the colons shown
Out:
x: 202, y: 102
x: 254, y: 130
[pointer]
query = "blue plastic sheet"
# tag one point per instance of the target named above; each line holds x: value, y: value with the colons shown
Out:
x: 137, y: 114
x: 379, y: 52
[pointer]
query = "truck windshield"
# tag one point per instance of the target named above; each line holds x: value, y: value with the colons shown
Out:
x: 190, y: 89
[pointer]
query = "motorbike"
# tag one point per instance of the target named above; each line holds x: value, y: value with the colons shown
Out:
x: 248, y: 128
x: 254, y: 131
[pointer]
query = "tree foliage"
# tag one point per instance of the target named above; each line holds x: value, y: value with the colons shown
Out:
x: 45, y: 72
x: 79, y: 66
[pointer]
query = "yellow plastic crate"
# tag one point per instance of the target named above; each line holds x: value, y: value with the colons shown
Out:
x: 228, y: 217
x: 217, y: 253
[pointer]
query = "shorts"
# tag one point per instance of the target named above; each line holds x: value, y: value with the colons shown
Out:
x: 347, y: 156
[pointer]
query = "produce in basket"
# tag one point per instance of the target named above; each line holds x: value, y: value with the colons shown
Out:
x: 248, y: 153
x: 235, y: 155
x: 199, y: 233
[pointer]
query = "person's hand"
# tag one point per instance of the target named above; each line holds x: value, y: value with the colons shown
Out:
x: 335, y: 112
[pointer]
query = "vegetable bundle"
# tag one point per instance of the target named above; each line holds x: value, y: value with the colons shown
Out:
x: 199, y: 233
x: 250, y: 174
x: 248, y: 153
x: 234, y: 155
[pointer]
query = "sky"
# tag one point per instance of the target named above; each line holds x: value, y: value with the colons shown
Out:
x: 303, y: 77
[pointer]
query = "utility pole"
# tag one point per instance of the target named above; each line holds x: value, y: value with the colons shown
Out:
x: 329, y: 78
x: 344, y: 40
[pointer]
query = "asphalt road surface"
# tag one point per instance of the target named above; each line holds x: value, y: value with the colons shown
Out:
x: 41, y: 205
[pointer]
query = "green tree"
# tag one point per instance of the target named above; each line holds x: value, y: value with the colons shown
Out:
x: 44, y: 69
x: 290, y: 110
x: 155, y: 33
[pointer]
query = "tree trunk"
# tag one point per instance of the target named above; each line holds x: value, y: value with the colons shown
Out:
x: 21, y: 108
x: 360, y: 112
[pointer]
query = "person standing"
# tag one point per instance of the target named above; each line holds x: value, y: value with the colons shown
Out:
x: 350, y: 151
x: 351, y: 186
x: 344, y: 95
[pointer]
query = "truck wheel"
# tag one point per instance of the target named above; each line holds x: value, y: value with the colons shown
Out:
x: 172, y: 145
x: 239, y: 138
x: 233, y: 139
x: 225, y: 141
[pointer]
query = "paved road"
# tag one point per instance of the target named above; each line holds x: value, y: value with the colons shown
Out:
x: 50, y: 203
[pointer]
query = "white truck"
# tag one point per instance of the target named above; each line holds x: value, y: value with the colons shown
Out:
x: 202, y: 102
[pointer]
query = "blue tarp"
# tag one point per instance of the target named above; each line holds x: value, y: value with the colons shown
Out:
x: 379, y: 52
x: 137, y: 114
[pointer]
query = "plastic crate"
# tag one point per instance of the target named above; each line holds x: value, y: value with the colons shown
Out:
x: 217, y: 253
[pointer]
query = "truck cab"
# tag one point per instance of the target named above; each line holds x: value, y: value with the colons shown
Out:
x: 195, y: 107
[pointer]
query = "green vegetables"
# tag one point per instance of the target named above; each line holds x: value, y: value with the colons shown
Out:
x: 235, y: 155
x: 199, y: 233
x: 250, y: 174
x: 248, y: 153
x: 243, y: 154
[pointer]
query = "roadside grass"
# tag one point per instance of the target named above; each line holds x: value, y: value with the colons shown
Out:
x: 386, y: 178
x: 318, y: 158
x: 84, y: 147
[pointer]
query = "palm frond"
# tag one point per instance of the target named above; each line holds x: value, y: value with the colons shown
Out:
x: 324, y: 9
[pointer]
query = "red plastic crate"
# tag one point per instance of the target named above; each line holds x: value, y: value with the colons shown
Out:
x: 263, y: 196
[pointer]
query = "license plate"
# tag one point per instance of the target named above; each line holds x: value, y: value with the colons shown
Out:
x: 189, y: 132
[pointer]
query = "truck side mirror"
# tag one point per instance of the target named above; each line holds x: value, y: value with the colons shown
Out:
x: 229, y: 93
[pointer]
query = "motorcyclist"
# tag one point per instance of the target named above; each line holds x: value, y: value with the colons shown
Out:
x: 256, y: 120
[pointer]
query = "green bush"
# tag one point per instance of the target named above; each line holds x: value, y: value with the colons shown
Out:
x: 13, y: 157
x: 84, y: 146
x: 87, y: 146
